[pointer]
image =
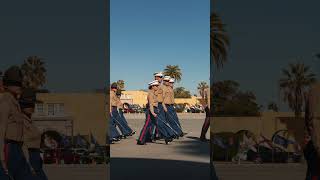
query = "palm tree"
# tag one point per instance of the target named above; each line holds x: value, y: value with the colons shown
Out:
x: 219, y: 41
x: 203, y: 87
x: 34, y: 72
x: 174, y: 72
x: 273, y: 106
x: 219, y: 44
x: 120, y: 84
x: 181, y: 92
x: 295, y: 84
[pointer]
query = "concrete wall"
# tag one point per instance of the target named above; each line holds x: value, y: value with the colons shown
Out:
x: 87, y: 110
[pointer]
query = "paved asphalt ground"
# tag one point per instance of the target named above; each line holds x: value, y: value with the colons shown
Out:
x: 183, y: 159
x: 186, y: 158
x: 77, y: 172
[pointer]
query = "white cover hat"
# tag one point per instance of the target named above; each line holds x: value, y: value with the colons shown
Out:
x: 153, y: 83
x: 158, y: 74
x: 167, y: 78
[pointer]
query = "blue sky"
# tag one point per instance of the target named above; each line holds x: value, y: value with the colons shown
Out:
x: 265, y: 37
x: 147, y: 35
x: 69, y: 37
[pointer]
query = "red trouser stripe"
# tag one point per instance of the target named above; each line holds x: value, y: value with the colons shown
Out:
x: 6, y: 153
x: 145, y: 128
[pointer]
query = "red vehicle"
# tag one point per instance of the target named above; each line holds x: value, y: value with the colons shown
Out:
x: 52, y: 156
x: 129, y: 111
x: 127, y: 108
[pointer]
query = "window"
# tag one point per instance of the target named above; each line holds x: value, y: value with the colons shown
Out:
x: 59, y: 108
x: 50, y: 109
x: 39, y: 108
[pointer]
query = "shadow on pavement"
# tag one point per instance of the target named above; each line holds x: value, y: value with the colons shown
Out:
x: 157, y: 169
x: 193, y: 146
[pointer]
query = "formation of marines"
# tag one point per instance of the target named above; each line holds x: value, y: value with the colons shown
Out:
x: 19, y: 137
x: 161, y: 118
x: 161, y: 121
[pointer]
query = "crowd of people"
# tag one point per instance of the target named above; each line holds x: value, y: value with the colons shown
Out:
x: 19, y: 138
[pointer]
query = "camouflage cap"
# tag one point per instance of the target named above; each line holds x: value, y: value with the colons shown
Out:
x: 13, y: 77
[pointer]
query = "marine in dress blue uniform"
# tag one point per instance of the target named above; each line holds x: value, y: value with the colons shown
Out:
x: 114, y: 133
x: 150, y: 123
x: 169, y: 111
x: 122, y: 119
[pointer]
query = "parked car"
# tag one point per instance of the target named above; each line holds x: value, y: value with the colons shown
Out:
x: 132, y: 108
x: 179, y: 107
x: 49, y: 156
x: 195, y: 110
x: 137, y: 108
x: 127, y: 108
x: 70, y: 157
x: 81, y: 151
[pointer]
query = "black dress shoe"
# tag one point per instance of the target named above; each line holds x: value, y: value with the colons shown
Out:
x: 140, y: 143
x: 204, y: 140
x: 115, y: 139
x: 183, y: 134
x: 174, y: 137
x: 166, y: 141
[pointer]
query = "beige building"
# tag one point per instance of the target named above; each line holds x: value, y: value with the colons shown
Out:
x: 72, y: 114
x: 266, y: 124
x: 140, y: 97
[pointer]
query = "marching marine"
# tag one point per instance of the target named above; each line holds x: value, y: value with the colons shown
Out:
x: 13, y: 161
x: 31, y: 134
x: 114, y: 133
x: 168, y: 99
x: 122, y: 119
